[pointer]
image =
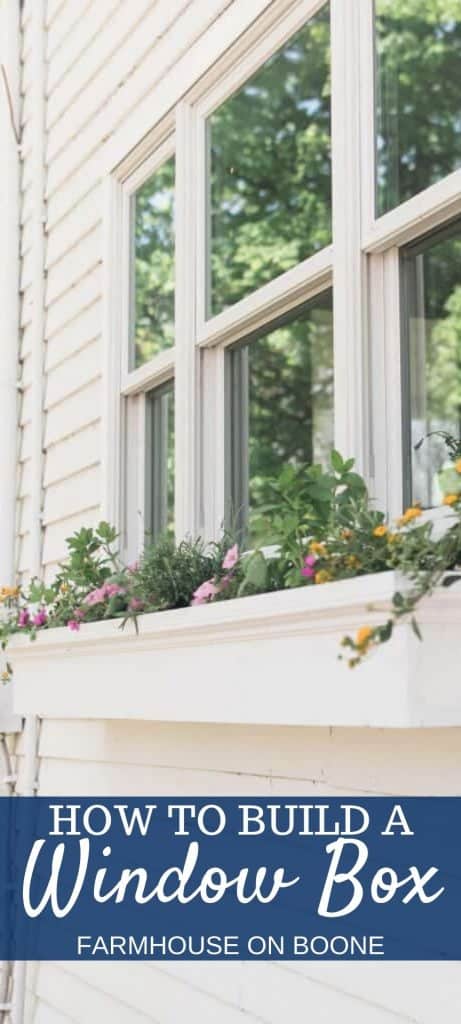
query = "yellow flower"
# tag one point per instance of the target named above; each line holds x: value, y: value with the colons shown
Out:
x: 451, y: 499
x: 322, y: 576
x: 346, y: 534
x: 409, y: 515
x: 353, y: 562
x: 64, y: 588
x: 5, y: 676
x: 317, y: 548
x: 380, y: 531
x: 393, y: 538
x: 458, y: 465
x: 364, y: 635
x: 6, y: 592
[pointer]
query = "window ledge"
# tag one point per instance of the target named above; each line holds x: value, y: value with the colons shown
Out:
x: 269, y: 659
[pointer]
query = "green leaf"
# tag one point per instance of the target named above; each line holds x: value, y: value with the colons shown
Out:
x: 415, y: 628
x: 337, y: 461
x: 255, y: 573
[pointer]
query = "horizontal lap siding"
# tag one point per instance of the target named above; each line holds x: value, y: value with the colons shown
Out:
x: 101, y: 62
x: 123, y: 758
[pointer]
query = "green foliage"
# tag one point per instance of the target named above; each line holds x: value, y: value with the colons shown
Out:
x: 308, y: 502
x: 324, y: 529
x: 168, y: 573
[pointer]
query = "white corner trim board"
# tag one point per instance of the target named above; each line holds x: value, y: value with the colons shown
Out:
x: 269, y: 659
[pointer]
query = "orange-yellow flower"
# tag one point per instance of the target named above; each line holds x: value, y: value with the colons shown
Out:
x: 353, y: 562
x: 6, y: 592
x: 346, y: 534
x: 409, y: 515
x: 322, y: 576
x: 380, y: 531
x: 451, y: 499
x: 458, y: 465
x: 317, y: 548
x: 364, y: 635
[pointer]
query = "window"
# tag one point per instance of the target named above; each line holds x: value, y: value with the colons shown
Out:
x: 285, y: 271
x: 431, y: 272
x: 280, y: 386
x: 418, y: 59
x: 146, y: 301
x: 270, y: 171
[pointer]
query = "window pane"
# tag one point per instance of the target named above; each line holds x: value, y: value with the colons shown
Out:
x: 432, y: 289
x: 160, y: 460
x: 270, y: 174
x: 281, y: 405
x: 418, y: 56
x: 153, y: 299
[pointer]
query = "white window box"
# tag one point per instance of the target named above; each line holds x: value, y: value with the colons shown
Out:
x: 269, y: 659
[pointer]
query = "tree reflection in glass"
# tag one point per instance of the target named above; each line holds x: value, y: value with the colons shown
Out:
x: 418, y: 96
x: 281, y: 406
x: 270, y: 174
x: 153, y: 284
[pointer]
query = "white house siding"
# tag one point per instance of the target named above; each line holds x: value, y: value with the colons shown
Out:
x: 137, y: 758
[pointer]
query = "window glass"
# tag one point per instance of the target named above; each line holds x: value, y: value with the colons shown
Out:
x: 418, y: 61
x: 432, y: 293
x: 281, y: 406
x: 153, y: 285
x: 159, y: 513
x: 270, y: 173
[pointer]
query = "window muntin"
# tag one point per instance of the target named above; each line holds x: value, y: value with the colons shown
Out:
x: 280, y: 405
x: 418, y: 96
x: 431, y: 273
x: 153, y: 271
x: 160, y: 470
x: 270, y: 170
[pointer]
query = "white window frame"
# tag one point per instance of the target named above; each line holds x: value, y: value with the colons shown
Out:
x: 361, y: 264
x: 125, y: 449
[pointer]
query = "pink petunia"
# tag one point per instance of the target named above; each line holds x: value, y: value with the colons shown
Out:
x: 112, y: 589
x: 231, y: 557
x: 205, y: 592
x: 74, y: 625
x: 308, y: 569
x: 39, y: 618
x: 136, y: 604
x: 95, y: 596
x: 23, y: 618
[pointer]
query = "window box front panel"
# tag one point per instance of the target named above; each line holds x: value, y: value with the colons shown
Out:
x: 270, y: 659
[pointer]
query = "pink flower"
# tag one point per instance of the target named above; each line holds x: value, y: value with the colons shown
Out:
x: 231, y: 557
x: 74, y: 625
x: 102, y: 593
x: 39, y: 618
x: 23, y: 618
x: 205, y: 592
x: 136, y: 604
x: 95, y: 596
x: 308, y: 570
x: 112, y: 589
